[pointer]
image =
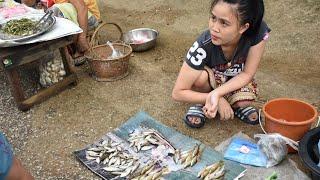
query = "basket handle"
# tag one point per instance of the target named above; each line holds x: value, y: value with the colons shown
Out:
x: 99, y: 27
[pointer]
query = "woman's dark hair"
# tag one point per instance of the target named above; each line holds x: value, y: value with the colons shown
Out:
x: 249, y: 11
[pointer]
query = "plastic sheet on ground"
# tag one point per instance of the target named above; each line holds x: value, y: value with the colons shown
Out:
x: 177, y: 139
x: 286, y: 170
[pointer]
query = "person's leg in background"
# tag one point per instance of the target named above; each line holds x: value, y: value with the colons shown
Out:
x: 10, y: 167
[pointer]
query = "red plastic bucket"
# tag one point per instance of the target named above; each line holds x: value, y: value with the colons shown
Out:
x: 289, y: 117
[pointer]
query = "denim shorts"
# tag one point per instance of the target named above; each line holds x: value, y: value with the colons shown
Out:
x: 6, y: 156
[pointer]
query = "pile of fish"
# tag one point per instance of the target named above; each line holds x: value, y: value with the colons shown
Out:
x: 152, y: 171
x: 190, y: 157
x: 116, y: 159
x: 214, y: 171
x: 144, y: 139
x: 51, y: 72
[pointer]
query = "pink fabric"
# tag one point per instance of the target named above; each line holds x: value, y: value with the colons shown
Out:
x: 266, y: 36
x: 7, y: 12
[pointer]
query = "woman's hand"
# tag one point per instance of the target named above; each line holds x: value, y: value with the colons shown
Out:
x: 211, y: 107
x: 225, y: 110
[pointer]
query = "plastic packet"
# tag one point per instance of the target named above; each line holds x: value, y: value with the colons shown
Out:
x: 274, y: 146
x: 115, y: 52
x: 245, y: 152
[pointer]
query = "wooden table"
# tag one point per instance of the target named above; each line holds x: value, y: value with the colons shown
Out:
x: 14, y: 57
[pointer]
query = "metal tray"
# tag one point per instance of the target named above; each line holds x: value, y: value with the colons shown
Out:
x: 35, y: 17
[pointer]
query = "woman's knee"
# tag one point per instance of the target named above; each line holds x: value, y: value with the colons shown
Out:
x: 202, y: 83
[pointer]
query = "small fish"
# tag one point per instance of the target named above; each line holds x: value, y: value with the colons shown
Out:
x: 135, y: 149
x: 195, y: 150
x: 96, y: 149
x: 98, y: 160
x: 149, y: 177
x: 110, y: 150
x: 138, y: 147
x: 116, y: 172
x: 104, y: 156
x: 113, y: 154
x: 92, y: 153
x: 153, y: 141
x: 125, y: 155
x: 150, y: 170
x: 112, y: 161
x: 144, y: 142
x: 209, y: 169
x: 118, y: 161
x: 115, y: 144
x: 90, y: 157
x: 189, y: 159
x: 105, y: 161
x: 157, y: 175
x: 126, y: 172
x: 146, y: 168
x: 193, y: 161
x: 123, y: 162
x: 217, y: 174
x: 112, y: 168
x: 135, y: 167
x: 145, y: 148
x: 176, y: 156
x: 104, y: 142
x: 203, y: 173
x: 215, y: 166
x: 200, y: 152
x: 130, y: 163
x: 119, y: 148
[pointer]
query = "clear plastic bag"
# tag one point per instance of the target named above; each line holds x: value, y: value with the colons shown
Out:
x: 274, y: 146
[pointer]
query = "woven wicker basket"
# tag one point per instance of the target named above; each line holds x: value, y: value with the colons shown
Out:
x: 102, y: 66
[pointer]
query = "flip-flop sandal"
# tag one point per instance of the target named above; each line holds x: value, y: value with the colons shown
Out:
x: 244, y: 113
x: 195, y: 111
x: 79, y: 60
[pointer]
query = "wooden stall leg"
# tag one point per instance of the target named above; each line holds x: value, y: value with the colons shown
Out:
x: 50, y: 91
x: 16, y: 89
x: 67, y: 63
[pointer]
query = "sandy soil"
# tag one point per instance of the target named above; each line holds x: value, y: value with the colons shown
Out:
x: 82, y: 114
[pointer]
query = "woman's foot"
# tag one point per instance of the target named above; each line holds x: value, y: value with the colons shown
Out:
x: 194, y: 120
x: 195, y: 117
x: 247, y: 114
x: 79, y: 58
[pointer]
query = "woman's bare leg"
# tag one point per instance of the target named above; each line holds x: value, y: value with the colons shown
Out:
x: 18, y: 172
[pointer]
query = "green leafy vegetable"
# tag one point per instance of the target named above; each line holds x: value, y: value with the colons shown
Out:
x: 19, y: 27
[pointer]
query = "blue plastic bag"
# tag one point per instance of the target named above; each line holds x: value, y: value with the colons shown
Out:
x: 245, y: 152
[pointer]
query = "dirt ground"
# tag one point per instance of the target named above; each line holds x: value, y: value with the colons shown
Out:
x: 79, y: 115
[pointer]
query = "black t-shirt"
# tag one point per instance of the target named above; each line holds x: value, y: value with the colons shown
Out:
x: 205, y: 53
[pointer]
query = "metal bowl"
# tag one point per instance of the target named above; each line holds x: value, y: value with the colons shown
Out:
x: 141, y: 39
